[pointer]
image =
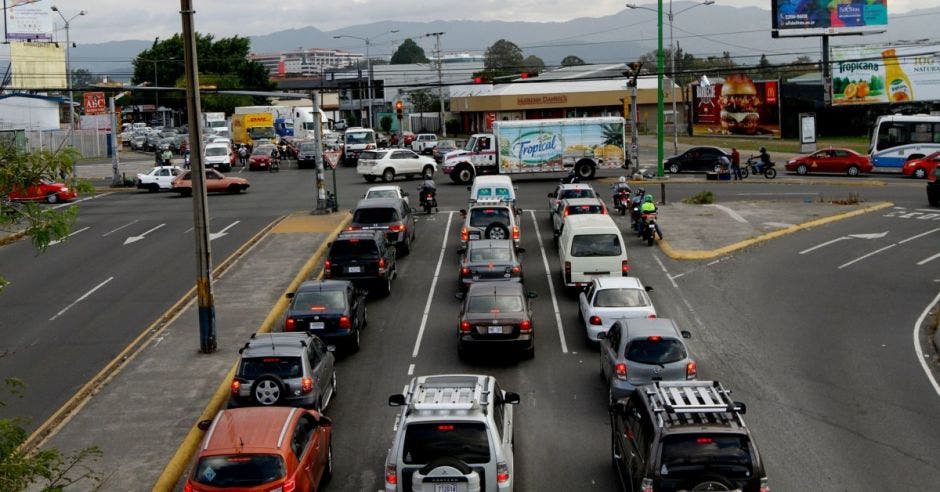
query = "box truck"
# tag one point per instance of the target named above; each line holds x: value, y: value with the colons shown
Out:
x: 252, y: 128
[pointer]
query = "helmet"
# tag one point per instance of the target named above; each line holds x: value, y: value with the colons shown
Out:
x: 622, y: 179
x: 640, y: 191
x: 647, y: 198
x: 762, y: 150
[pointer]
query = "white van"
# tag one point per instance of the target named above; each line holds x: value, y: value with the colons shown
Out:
x: 498, y: 187
x: 591, y: 246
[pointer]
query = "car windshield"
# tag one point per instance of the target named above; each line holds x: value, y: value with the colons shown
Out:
x: 621, y: 298
x: 494, y: 304
x: 261, y: 132
x: 308, y: 147
x: 356, y: 248
x: 239, y: 470
x: 655, y: 351
x: 216, y: 151
x: 576, y: 193
x: 382, y: 194
x: 483, y: 217
x: 375, y: 215
x: 728, y: 453
x: 584, y: 209
x: 464, y: 441
x: 262, y: 150
x: 320, y: 301
x: 490, y: 254
x: 595, y: 245
x: 373, y: 154
x: 471, y: 143
x: 282, y: 367
x: 355, y: 138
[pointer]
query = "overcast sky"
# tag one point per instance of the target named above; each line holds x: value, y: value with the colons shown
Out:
x: 110, y: 20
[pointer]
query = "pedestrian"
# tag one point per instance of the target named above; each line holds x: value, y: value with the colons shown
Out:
x: 167, y: 157
x: 725, y: 164
x: 242, y: 155
x: 736, y: 163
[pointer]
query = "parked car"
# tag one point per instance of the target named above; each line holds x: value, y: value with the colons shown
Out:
x: 453, y: 430
x: 334, y: 310
x: 489, y: 260
x: 638, y: 351
x: 216, y: 182
x: 424, y: 143
x: 490, y: 219
x: 392, y: 216
x: 363, y: 257
x: 575, y: 206
x: 219, y: 156
x: 267, y: 448
x: 841, y: 161
x: 292, y: 369
x: 442, y: 148
x: 386, y: 191
x: 695, y: 159
x: 260, y: 157
x: 933, y: 187
x: 922, y: 167
x: 496, y: 314
x: 44, y: 190
x: 159, y: 178
x: 608, y: 299
x: 389, y: 163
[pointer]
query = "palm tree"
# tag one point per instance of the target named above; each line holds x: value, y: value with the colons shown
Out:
x: 613, y: 134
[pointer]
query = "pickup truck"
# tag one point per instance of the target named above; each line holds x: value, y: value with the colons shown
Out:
x: 424, y: 143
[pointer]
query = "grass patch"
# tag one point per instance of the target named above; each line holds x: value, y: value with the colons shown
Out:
x: 852, y: 199
x: 702, y: 198
x: 788, y: 145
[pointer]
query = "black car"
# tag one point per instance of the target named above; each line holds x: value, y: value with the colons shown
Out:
x: 933, y: 187
x: 392, y: 216
x: 684, y: 435
x: 364, y: 258
x: 695, y: 159
x: 489, y: 260
x: 334, y: 310
x: 496, y: 315
x: 306, y: 154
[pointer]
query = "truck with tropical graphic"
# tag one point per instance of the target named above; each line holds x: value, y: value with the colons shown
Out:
x: 541, y: 146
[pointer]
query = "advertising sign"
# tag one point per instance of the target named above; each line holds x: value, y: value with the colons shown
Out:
x: 37, y: 66
x: 880, y: 74
x: 807, y: 132
x: 28, y: 19
x: 817, y: 17
x: 552, y: 146
x: 95, y: 103
x: 737, y: 106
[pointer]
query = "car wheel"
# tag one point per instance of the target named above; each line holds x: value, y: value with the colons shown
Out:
x: 496, y: 230
x: 529, y: 353
x: 355, y: 343
x: 852, y: 171
x: 717, y: 168
x: 920, y: 173
x: 268, y: 390
x: 601, y: 369
x: 332, y: 387
x: 234, y: 189
x: 369, y: 179
x: 153, y: 188
x: 427, y: 172
x: 933, y: 200
x: 186, y: 191
x: 801, y: 170
x: 674, y: 168
x: 388, y: 175
x: 52, y: 198
x: 584, y: 169
x: 463, y: 174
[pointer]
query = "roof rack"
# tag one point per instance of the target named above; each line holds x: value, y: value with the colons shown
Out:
x: 448, y: 393
x: 693, y: 401
x: 272, y: 341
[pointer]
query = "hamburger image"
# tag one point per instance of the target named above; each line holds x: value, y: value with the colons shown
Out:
x: 739, y: 104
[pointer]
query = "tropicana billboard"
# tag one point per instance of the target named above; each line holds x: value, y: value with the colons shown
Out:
x: 885, y: 74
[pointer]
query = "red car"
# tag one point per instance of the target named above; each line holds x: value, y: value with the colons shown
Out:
x: 921, y: 168
x: 45, y: 190
x: 260, y: 157
x: 831, y: 161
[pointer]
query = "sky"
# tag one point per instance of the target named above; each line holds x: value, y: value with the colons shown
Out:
x: 112, y: 20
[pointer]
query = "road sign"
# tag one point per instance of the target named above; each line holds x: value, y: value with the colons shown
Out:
x: 95, y: 103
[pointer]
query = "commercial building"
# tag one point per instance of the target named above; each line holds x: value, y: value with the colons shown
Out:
x: 306, y: 62
x: 30, y: 112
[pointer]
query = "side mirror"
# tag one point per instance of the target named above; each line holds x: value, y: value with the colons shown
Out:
x: 460, y: 296
x: 331, y: 348
x: 602, y: 335
x: 520, y: 250
x: 463, y: 212
x: 648, y: 288
x: 511, y: 398
x: 396, y: 400
x: 324, y: 421
x: 289, y: 295
x: 515, y: 187
x: 204, y: 425
x: 531, y: 294
x: 740, y: 407
x: 551, y: 195
x: 686, y: 334
x: 518, y: 211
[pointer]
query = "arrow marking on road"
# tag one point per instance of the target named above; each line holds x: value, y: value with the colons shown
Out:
x: 928, y: 260
x: 860, y: 258
x: 80, y: 299
x: 875, y: 235
x: 215, y: 235
x: 134, y: 239
x: 53, y: 243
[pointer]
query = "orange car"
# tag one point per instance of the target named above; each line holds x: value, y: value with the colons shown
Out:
x: 263, y: 449
x: 216, y: 182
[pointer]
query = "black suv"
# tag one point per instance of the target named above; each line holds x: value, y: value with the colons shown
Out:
x: 363, y: 257
x: 684, y: 435
x: 392, y: 216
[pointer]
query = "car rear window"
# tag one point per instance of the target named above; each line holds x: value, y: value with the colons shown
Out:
x: 584, y: 209
x: 586, y: 245
x: 727, y: 454
x: 494, y: 192
x: 216, y: 151
x: 262, y: 150
x: 465, y: 441
x: 494, y: 304
x: 483, y: 217
x: 320, y: 301
x: 490, y: 254
x: 655, y: 350
x: 282, y: 367
x: 375, y: 215
x: 241, y: 470
x: 382, y: 194
x: 621, y: 298
x: 373, y: 154
x: 354, y: 248
x: 576, y: 193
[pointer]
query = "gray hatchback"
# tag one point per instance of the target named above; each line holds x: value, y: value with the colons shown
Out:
x: 639, y: 351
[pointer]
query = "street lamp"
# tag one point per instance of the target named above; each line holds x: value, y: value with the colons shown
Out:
x: 68, y: 68
x: 368, y: 42
x: 672, y: 69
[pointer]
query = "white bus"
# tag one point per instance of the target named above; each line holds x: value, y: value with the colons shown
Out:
x: 899, y: 138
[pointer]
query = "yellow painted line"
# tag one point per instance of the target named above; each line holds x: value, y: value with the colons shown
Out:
x: 178, y: 463
x: 305, y: 222
x: 709, y: 254
x: 861, y: 183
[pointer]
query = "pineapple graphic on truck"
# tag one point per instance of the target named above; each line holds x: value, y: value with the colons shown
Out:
x: 541, y: 146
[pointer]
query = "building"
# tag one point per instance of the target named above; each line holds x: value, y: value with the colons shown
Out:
x: 306, y: 62
x: 30, y: 112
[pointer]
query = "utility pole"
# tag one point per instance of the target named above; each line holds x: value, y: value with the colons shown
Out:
x: 659, y: 91
x: 207, y: 333
x: 68, y: 75
x: 318, y: 153
x: 440, y: 80
x: 115, y: 172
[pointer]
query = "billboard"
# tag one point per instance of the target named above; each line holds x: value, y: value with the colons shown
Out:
x: 885, y: 74
x: 833, y: 17
x: 28, y: 19
x: 553, y: 145
x: 736, y: 106
x: 37, y: 66
x: 95, y: 103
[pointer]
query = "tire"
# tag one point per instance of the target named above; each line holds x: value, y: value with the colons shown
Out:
x: 496, y: 230
x: 369, y: 179
x: 802, y: 170
x: 853, y: 171
x: 387, y: 286
x: 933, y: 200
x: 427, y: 209
x: 674, y: 168
x: 770, y: 173
x: 388, y: 175
x: 745, y: 172
x: 463, y: 174
x: 153, y: 187
x: 920, y: 173
x: 707, y: 482
x: 268, y: 390
x: 52, y: 198
x: 584, y: 169
x: 186, y: 191
x: 649, y: 240
x: 717, y: 168
x: 427, y: 172
x: 461, y: 352
x: 529, y: 354
x: 355, y: 343
x: 234, y: 189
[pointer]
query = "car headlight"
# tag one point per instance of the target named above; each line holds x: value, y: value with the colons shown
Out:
x: 64, y: 190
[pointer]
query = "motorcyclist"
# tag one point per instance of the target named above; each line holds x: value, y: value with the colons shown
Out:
x: 764, y: 160
x: 622, y: 186
x: 635, y: 203
x: 275, y: 158
x: 427, y: 186
x: 649, y: 207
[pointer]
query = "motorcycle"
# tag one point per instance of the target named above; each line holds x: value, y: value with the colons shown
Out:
x: 622, y: 201
x: 750, y: 167
x: 571, y: 178
x: 275, y: 165
x: 635, y: 217
x: 648, y: 228
x: 428, y: 200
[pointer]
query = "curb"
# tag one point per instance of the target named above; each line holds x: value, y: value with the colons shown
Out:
x: 781, y: 182
x: 177, y: 465
x: 12, y: 238
x: 709, y: 254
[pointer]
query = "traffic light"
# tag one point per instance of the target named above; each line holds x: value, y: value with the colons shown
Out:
x: 478, y: 80
x: 399, y: 106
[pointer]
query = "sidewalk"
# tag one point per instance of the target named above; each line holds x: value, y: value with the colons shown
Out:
x: 142, y: 414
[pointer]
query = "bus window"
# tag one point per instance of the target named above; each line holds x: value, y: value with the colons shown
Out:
x: 923, y: 132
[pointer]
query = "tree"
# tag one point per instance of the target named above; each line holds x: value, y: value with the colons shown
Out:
x: 81, y: 78
x: 385, y: 123
x: 571, y: 61
x: 423, y: 101
x: 408, y: 52
x: 533, y: 64
x: 502, y: 58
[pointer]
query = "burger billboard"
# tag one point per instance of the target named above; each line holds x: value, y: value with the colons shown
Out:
x: 736, y: 106
x: 818, y: 17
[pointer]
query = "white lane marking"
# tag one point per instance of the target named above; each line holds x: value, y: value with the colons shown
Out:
x: 551, y: 286
x: 775, y: 194
x: 80, y: 299
x: 224, y: 232
x: 134, y: 239
x: 53, y: 243
x: 919, y: 236
x: 411, y: 369
x: 670, y: 277
x: 931, y: 210
x: 437, y: 273
x: 876, y: 235
x: 917, y: 349
x: 779, y: 225
x: 188, y: 230
x: 928, y: 260
x: 827, y: 243
x: 734, y: 215
x: 112, y: 231
x: 860, y: 258
x: 68, y: 204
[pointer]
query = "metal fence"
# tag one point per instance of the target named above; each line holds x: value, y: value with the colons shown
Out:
x: 89, y: 143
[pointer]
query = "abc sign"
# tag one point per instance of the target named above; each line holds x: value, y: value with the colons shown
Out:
x: 95, y: 103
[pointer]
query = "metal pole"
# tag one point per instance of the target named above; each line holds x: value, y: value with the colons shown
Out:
x: 659, y: 90
x: 369, y: 91
x: 156, y: 94
x: 636, y: 136
x: 672, y: 78
x: 115, y: 174
x: 68, y: 81
x: 207, y: 333
x: 318, y: 150
x: 827, y: 71
x: 440, y: 84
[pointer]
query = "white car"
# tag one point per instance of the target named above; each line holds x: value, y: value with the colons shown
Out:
x: 159, y: 178
x: 424, y: 143
x: 386, y: 191
x: 608, y: 299
x: 219, y: 155
x: 575, y: 206
x: 389, y: 163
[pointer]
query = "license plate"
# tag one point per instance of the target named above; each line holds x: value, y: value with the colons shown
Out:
x: 355, y: 269
x: 316, y: 325
x: 476, y: 277
x: 495, y: 330
x: 475, y: 235
x: 445, y: 487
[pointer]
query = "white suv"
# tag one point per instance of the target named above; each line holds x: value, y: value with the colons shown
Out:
x: 490, y: 219
x: 454, y: 433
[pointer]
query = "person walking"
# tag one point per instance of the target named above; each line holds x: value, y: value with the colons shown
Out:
x: 736, y: 163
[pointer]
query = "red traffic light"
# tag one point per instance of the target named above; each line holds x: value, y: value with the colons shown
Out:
x: 524, y: 75
x: 399, y: 105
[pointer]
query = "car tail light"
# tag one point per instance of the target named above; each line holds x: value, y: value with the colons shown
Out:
x: 306, y: 385
x: 595, y: 320
x: 516, y: 269
x: 465, y: 326
x: 464, y: 271
x: 620, y: 370
x: 650, y: 316
x: 764, y: 485
x: 515, y: 232
x: 290, y: 324
x: 624, y: 268
x: 646, y: 485
x: 525, y: 326
x: 397, y: 227
x: 288, y: 486
x: 236, y: 386
x: 381, y: 263
x: 603, y: 210
x: 502, y: 472
x: 691, y: 370
x: 189, y: 488
x: 345, y: 323
x: 353, y: 228
x: 567, y: 272
x: 370, y: 146
x: 391, y: 474
x: 567, y: 212
x: 327, y: 268
x: 654, y: 338
x: 464, y: 234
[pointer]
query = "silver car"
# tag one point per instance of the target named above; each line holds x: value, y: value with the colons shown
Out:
x: 639, y: 351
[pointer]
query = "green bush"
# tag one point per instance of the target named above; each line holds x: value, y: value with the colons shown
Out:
x: 702, y: 198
